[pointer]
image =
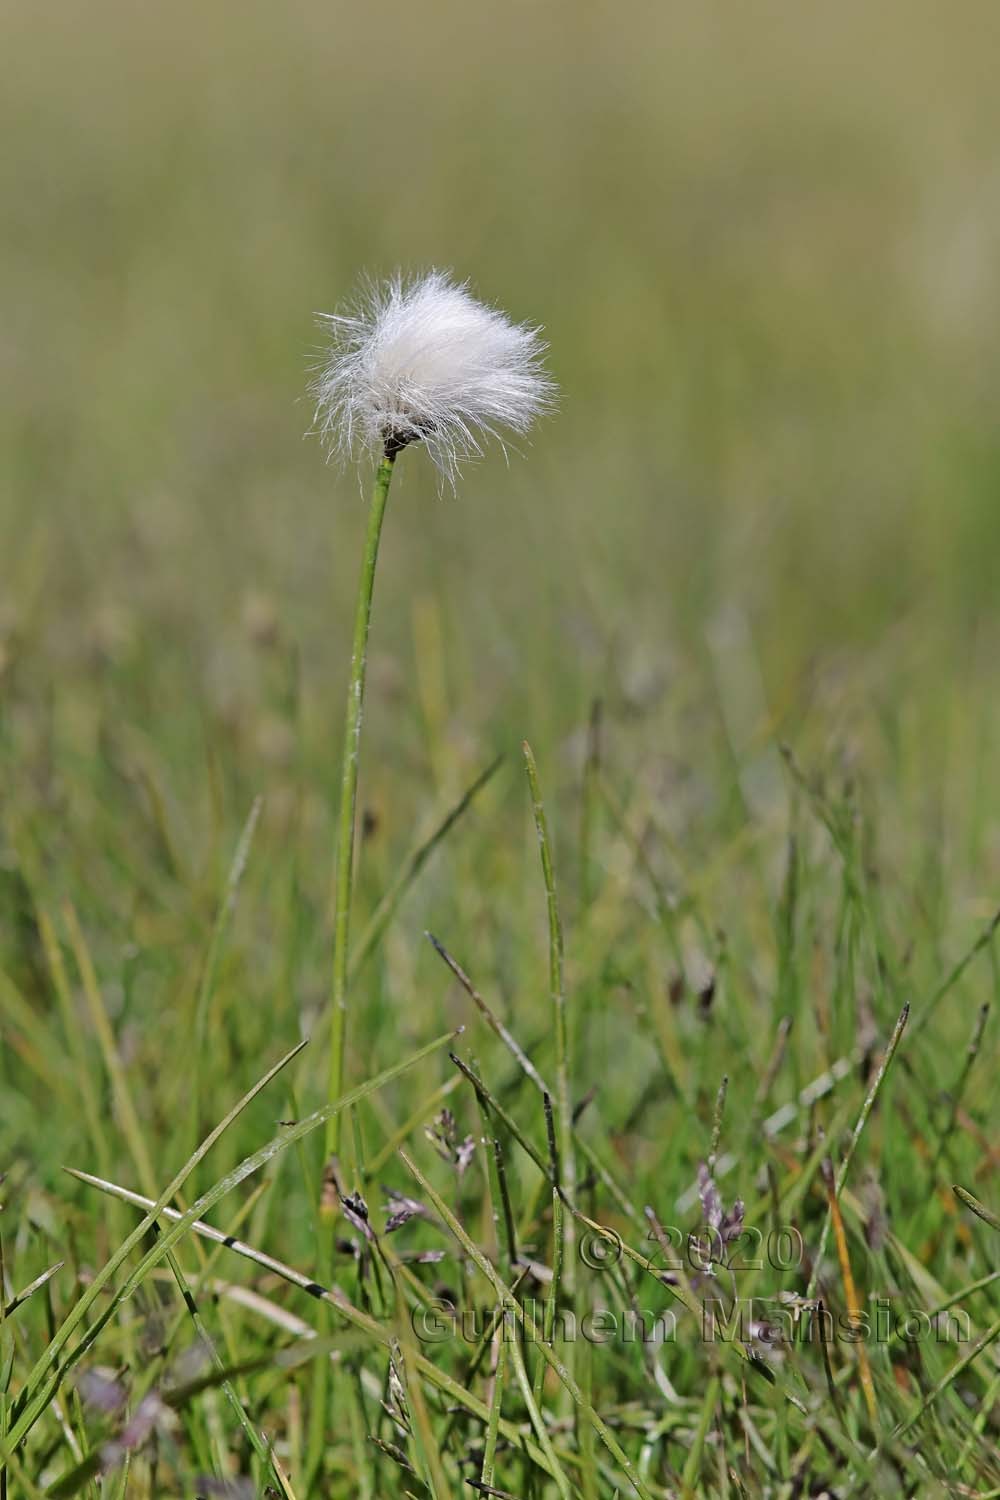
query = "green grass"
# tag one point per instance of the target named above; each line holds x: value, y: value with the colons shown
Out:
x: 740, y: 598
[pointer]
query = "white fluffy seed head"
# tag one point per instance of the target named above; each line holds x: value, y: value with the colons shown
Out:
x: 423, y: 361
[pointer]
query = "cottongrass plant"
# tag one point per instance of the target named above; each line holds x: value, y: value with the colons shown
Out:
x: 415, y: 361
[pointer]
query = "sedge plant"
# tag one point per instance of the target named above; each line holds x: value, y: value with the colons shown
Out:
x: 415, y: 361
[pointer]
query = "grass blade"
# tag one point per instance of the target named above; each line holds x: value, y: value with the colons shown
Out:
x: 850, y: 1291
x: 29, y: 1290
x: 862, y: 1120
x: 557, y: 987
x: 492, y: 1021
x: 124, y: 1105
x: 978, y: 1208
x: 206, y: 987
x: 395, y: 895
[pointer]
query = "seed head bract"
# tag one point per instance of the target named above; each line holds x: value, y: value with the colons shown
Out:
x: 421, y: 360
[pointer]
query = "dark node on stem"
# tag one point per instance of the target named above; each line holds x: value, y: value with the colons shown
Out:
x: 395, y: 442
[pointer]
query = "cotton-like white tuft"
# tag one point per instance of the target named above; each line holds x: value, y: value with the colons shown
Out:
x: 423, y: 361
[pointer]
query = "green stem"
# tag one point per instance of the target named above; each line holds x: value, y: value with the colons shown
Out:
x: 866, y: 1110
x: 349, y: 792
x: 557, y: 991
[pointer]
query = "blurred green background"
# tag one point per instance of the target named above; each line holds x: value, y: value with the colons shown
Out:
x: 764, y: 242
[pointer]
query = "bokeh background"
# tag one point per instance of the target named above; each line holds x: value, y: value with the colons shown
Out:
x: 764, y: 242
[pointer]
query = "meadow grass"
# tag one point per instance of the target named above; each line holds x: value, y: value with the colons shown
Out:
x: 739, y: 598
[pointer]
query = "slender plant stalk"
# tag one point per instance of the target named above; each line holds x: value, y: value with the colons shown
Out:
x: 976, y: 1427
x: 121, y: 1092
x: 558, y: 1246
x: 982, y: 1342
x: 342, y: 921
x: 387, y: 907
x: 692, y: 1467
x: 850, y: 1290
x: 493, y: 1427
x: 866, y: 1110
x: 492, y: 1021
x: 956, y: 1099
x: 206, y: 986
x: 564, y: 1107
x: 422, y: 1432
x: 984, y: 940
x: 589, y: 794
x: 502, y: 1225
x: 349, y: 792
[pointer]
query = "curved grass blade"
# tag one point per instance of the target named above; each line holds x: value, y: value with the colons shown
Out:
x: 493, y: 1021
x: 390, y: 902
x: 984, y: 1340
x: 984, y: 940
x: 206, y: 986
x: 557, y: 987
x: 844, y: 1167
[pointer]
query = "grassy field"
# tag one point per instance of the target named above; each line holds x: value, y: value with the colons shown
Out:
x: 738, y: 593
